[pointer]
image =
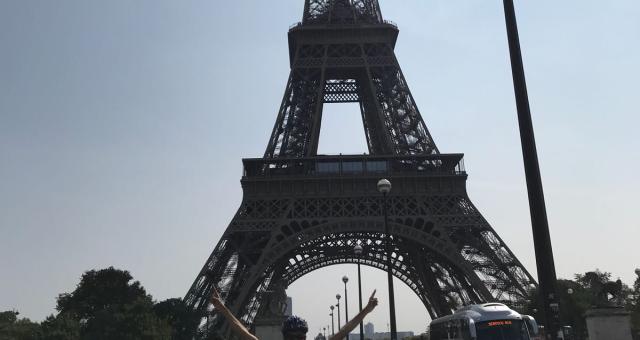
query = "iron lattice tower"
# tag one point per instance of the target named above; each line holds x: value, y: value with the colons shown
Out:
x: 301, y: 211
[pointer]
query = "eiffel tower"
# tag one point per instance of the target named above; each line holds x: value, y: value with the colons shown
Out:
x: 302, y: 211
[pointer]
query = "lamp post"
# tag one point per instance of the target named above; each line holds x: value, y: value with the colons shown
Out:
x: 384, y: 187
x: 333, y: 331
x: 358, y: 251
x: 345, y: 279
x: 539, y: 224
x: 338, y: 305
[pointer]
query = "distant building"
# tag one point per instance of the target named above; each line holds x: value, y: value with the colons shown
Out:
x: 320, y: 337
x: 289, y: 310
x: 368, y: 330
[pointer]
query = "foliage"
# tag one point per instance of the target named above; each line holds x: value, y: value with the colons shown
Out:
x: 584, y: 292
x: 100, y: 290
x: 8, y: 318
x: 12, y: 328
x: 633, y: 305
x: 61, y: 327
x: 592, y: 280
x: 182, y: 319
x: 133, y: 321
x: 107, y: 305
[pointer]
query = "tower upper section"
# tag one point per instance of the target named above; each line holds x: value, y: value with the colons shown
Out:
x: 343, y: 52
x: 322, y: 12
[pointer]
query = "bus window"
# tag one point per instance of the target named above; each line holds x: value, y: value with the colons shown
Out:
x: 450, y: 330
x: 473, y: 335
x: 438, y: 332
x: 532, y: 325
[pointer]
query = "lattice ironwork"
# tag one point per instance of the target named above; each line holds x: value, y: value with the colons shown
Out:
x: 341, y: 91
x: 341, y: 12
x: 353, y: 63
x: 301, y: 212
x: 443, y: 249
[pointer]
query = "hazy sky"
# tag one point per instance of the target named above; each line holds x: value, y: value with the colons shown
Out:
x: 123, y: 124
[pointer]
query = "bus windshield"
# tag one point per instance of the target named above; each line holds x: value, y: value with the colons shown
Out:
x: 502, y: 330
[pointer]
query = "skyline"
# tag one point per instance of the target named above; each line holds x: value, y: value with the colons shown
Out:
x: 122, y: 128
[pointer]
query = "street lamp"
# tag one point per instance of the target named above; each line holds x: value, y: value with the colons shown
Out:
x: 384, y: 187
x: 358, y: 251
x: 338, y: 305
x: 333, y: 331
x: 345, y: 279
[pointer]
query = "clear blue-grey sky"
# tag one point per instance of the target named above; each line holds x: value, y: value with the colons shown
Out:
x: 123, y: 123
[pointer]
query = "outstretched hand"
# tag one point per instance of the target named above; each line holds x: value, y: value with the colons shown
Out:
x: 235, y: 324
x: 215, y: 298
x: 373, y: 302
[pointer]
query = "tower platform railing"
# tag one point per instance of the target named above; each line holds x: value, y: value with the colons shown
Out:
x: 300, y: 24
x: 355, y: 165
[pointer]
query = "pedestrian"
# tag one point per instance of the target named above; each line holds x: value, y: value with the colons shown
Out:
x: 293, y: 328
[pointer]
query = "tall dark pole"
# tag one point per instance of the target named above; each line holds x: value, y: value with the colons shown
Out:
x: 333, y: 331
x: 360, y: 302
x: 539, y: 223
x: 384, y: 186
x: 346, y: 303
x: 358, y: 251
x: 338, y: 305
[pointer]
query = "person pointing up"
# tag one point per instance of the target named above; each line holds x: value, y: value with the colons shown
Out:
x: 293, y: 328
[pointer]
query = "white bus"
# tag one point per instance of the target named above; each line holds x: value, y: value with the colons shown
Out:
x: 488, y: 321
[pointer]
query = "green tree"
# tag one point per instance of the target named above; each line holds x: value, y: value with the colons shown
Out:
x: 60, y: 327
x: 108, y: 305
x: 8, y: 319
x: 12, y: 328
x: 100, y: 290
x: 574, y: 301
x: 183, y: 320
x: 633, y: 305
x: 577, y: 296
x: 133, y: 321
x: 593, y: 280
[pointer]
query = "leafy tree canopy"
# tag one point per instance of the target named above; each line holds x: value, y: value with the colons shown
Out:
x: 593, y: 280
x: 61, y: 327
x: 13, y: 328
x: 108, y: 305
x: 101, y: 290
x: 182, y: 319
x: 584, y: 292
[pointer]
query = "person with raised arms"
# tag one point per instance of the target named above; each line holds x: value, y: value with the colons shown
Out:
x: 293, y: 328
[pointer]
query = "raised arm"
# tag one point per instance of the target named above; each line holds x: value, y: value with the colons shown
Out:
x: 349, y: 326
x: 236, y: 325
